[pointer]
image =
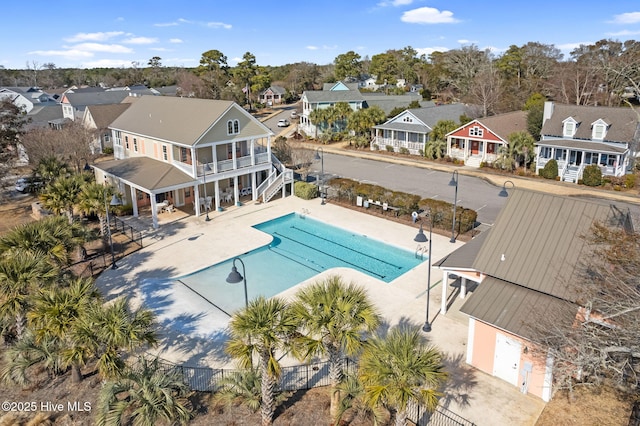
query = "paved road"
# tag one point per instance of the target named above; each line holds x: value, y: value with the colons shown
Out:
x: 473, y: 193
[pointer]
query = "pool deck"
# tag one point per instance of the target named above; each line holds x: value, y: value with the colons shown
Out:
x: 190, y: 244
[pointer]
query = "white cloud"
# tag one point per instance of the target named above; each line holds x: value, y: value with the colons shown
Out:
x: 626, y: 18
x: 568, y: 47
x: 429, y: 50
x: 166, y: 24
x: 465, y: 41
x: 161, y: 49
x: 623, y: 33
x: 141, y: 40
x: 218, y: 25
x: 99, y: 47
x: 395, y: 3
x: 99, y: 36
x: 175, y: 40
x: 428, y: 15
x: 107, y: 63
x: 68, y: 53
x: 312, y: 47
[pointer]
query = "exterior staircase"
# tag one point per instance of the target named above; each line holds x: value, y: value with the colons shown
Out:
x: 473, y: 161
x: 571, y: 174
x: 276, y: 181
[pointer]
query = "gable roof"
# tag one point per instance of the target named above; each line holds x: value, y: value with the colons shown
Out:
x: 104, y: 115
x: 180, y: 120
x: 426, y: 118
x: 279, y: 90
x: 541, y: 237
x: 623, y: 128
x: 333, y: 96
x: 93, y: 97
x: 505, y: 124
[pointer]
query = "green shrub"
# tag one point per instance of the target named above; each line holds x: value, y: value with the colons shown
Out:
x: 592, y: 175
x: 375, y: 146
x: 550, y: 170
x: 630, y: 181
x: 404, y: 150
x: 389, y: 148
x: 304, y: 190
x: 107, y: 150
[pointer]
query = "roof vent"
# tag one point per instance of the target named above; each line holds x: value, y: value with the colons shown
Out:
x: 502, y: 258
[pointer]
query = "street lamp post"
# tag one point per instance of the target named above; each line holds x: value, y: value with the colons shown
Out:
x: 235, y: 277
x: 321, y: 158
x: 454, y: 182
x: 115, y: 201
x: 421, y: 238
x: 503, y: 192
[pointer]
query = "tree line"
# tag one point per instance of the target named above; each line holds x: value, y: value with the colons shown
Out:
x: 602, y: 73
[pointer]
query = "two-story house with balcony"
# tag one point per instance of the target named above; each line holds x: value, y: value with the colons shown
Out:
x: 191, y: 152
x: 577, y: 136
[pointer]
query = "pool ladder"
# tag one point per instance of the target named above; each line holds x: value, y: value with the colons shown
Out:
x: 421, y: 250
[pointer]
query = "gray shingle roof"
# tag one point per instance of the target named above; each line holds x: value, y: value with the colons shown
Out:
x: 104, y: 115
x: 147, y: 173
x: 181, y: 120
x: 623, y: 128
x: 81, y: 100
x: 505, y: 124
x: 583, y: 145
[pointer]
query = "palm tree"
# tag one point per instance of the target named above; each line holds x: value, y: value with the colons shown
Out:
x: 332, y: 317
x: 50, y: 169
x: 56, y: 311
x: 343, y: 113
x: 52, y: 238
x: 91, y: 200
x: 20, y: 276
x: 26, y: 353
x: 108, y: 330
x: 263, y: 328
x: 144, y: 396
x: 398, y: 369
x: 61, y: 195
x: 243, y: 387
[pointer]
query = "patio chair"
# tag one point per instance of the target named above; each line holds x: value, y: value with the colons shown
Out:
x: 207, y: 202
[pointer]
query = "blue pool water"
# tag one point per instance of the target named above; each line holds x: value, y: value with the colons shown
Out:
x: 301, y: 248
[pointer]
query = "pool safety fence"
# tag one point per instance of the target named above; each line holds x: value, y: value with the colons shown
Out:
x: 132, y: 234
x: 304, y: 377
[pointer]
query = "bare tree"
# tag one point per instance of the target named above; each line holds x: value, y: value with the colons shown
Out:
x: 301, y: 158
x: 70, y: 145
x: 486, y: 88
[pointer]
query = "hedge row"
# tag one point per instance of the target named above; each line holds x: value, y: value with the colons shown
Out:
x: 347, y: 190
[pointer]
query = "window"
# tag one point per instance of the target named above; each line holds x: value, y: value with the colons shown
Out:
x: 407, y: 119
x: 599, y: 130
x: 126, y: 142
x: 569, y: 127
x: 476, y: 131
x: 135, y: 144
x: 183, y: 154
x: 165, y: 153
x: 233, y: 127
x: 118, y: 136
x: 561, y: 154
x: 545, y: 152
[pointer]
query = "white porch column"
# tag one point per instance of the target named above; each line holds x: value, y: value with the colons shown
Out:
x: 154, y: 211
x: 214, y: 159
x: 134, y: 201
x: 445, y: 284
x: 252, y: 148
x: 233, y: 156
x: 463, y: 287
x: 254, y: 185
x: 216, y: 191
x: 196, y: 198
x: 236, y: 196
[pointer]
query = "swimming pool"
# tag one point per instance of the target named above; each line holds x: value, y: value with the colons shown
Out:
x: 302, y: 247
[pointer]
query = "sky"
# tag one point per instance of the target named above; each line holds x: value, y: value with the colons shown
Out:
x: 118, y: 33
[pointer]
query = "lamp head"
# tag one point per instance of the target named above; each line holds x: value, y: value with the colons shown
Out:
x: 317, y: 156
x: 115, y: 200
x: 420, y: 237
x: 234, y: 276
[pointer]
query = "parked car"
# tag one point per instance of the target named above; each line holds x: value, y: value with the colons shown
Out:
x: 28, y: 184
x: 294, y: 114
x: 283, y: 123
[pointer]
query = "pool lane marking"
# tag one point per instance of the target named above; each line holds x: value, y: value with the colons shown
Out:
x: 344, y: 246
x: 206, y: 300
x: 335, y: 257
x: 273, y: 250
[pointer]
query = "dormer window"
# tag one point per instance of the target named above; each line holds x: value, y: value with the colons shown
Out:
x: 598, y: 130
x: 569, y: 127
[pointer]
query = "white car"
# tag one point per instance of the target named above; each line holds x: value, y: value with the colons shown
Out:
x: 294, y: 114
x: 283, y: 123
